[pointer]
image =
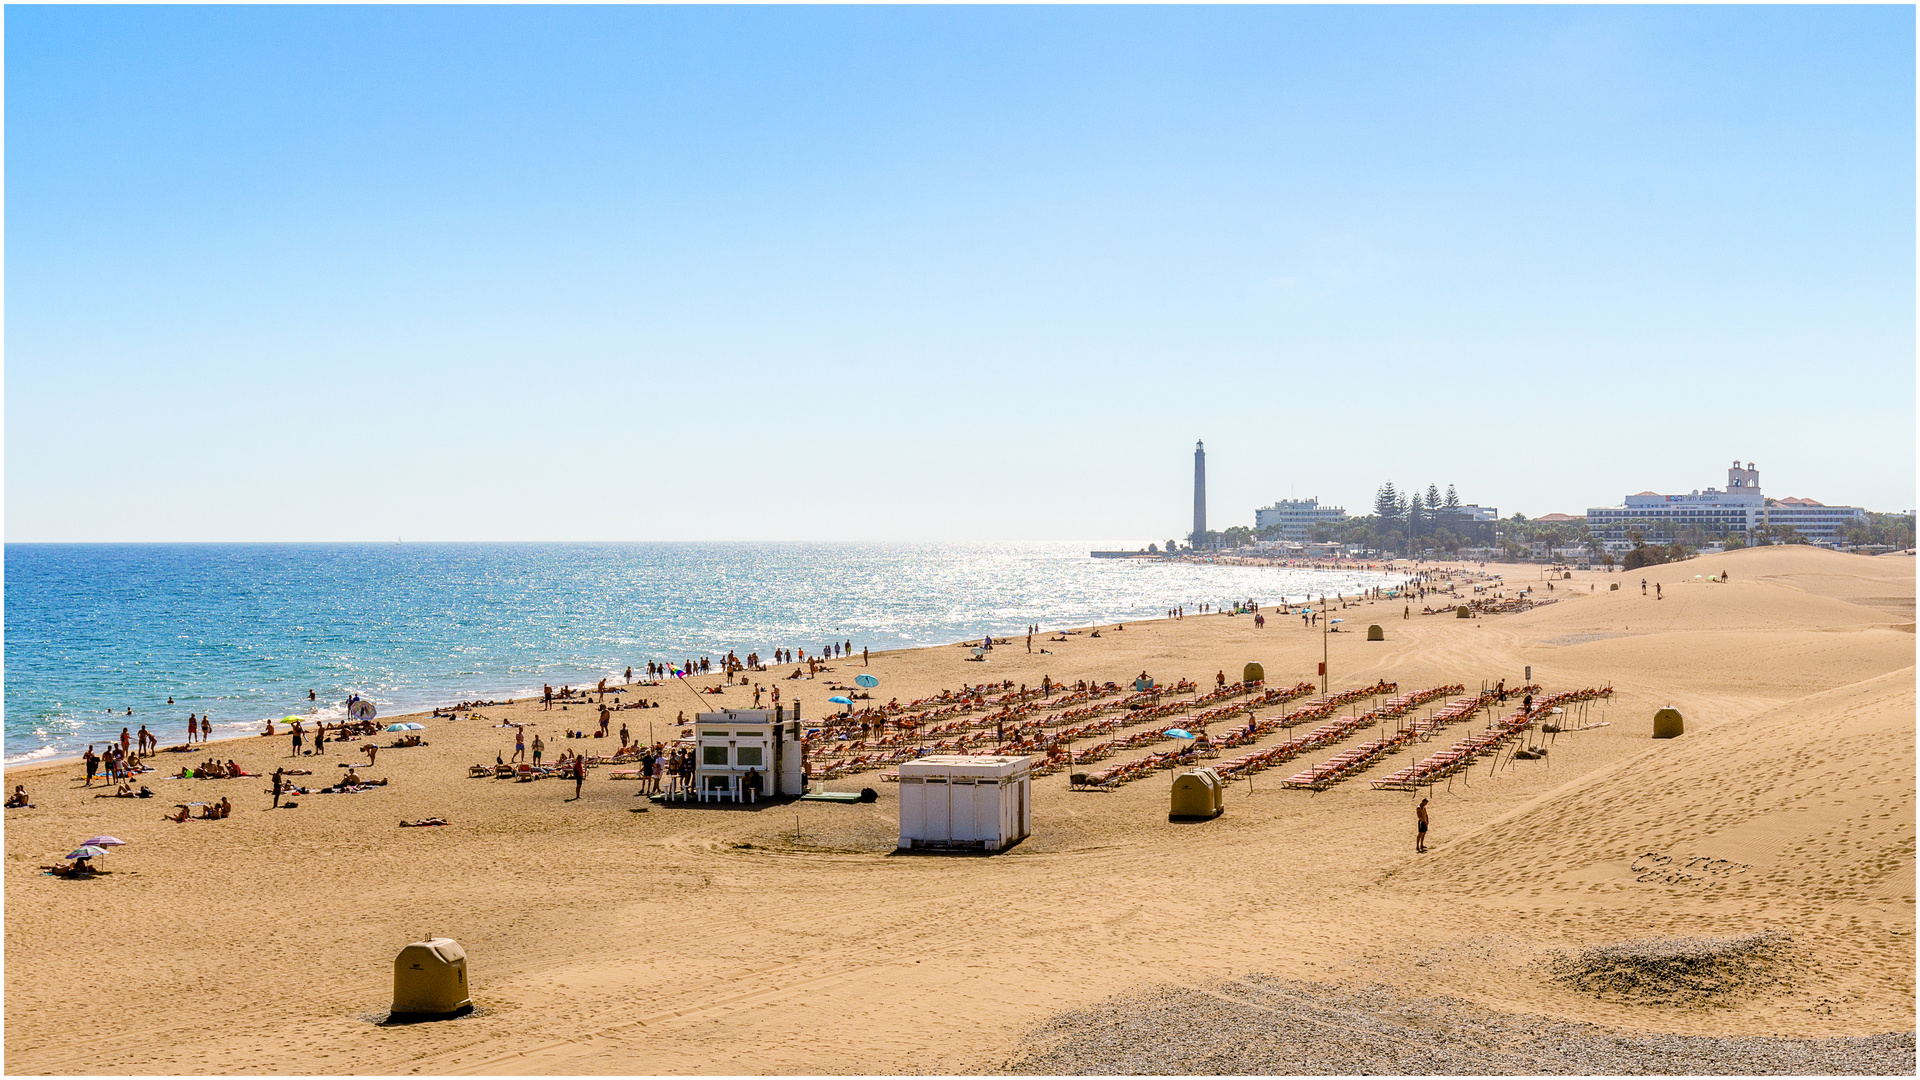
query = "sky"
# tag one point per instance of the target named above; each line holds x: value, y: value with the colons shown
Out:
x: 870, y: 273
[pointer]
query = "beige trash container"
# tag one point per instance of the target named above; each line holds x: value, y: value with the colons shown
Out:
x: 1374, y: 633
x: 1668, y: 723
x: 1198, y: 794
x: 1253, y: 673
x: 430, y: 979
x: 1463, y: 612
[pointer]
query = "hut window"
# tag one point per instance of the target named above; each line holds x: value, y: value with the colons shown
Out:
x: 713, y: 755
x: 749, y: 755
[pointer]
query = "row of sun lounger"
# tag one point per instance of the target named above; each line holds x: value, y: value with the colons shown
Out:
x: 1057, y: 759
x: 1359, y: 758
x: 1460, y: 755
x: 1195, y: 723
x: 1032, y: 736
x: 1324, y: 735
x: 1125, y: 771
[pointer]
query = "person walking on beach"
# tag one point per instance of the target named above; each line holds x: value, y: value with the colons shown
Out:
x: 279, y: 785
x: 546, y: 696
x: 93, y: 763
x: 624, y: 735
x: 1420, y: 837
x: 579, y: 775
x: 320, y: 739
x: 864, y: 662
x: 193, y: 727
x: 519, y: 743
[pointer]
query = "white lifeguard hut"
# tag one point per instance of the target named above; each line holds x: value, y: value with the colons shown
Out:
x: 732, y: 743
x: 965, y: 802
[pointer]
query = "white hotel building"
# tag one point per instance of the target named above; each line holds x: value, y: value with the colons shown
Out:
x: 1741, y: 508
x: 1294, y: 516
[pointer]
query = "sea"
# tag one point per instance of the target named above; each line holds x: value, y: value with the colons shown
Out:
x: 244, y: 631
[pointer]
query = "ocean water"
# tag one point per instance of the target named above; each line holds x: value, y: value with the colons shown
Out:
x: 245, y: 630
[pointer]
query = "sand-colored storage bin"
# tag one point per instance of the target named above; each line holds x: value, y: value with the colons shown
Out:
x: 1253, y: 673
x: 1198, y: 794
x: 430, y: 979
x: 1668, y: 723
x: 1463, y: 612
x: 1375, y: 633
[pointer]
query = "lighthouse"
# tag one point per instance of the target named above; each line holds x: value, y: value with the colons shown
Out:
x: 1199, y: 494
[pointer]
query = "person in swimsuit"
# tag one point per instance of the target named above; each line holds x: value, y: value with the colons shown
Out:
x: 1420, y: 839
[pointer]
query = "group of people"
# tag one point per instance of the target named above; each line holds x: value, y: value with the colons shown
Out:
x: 208, y: 812
x: 733, y: 664
x: 212, y: 769
x: 116, y: 762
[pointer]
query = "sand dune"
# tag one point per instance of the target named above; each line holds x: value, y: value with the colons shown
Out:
x: 790, y: 939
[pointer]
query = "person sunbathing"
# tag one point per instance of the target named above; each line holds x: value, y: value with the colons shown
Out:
x: 184, y: 813
x: 424, y: 822
x: 226, y: 807
x: 18, y: 798
x: 124, y: 791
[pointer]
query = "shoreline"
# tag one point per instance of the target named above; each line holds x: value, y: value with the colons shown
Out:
x: 588, y: 677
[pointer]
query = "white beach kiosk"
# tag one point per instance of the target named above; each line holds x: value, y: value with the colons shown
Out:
x: 731, y: 743
x: 965, y: 802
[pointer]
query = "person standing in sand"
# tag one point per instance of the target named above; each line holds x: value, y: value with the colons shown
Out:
x: 1420, y: 838
x: 579, y: 774
x: 193, y: 728
x: 538, y: 749
x: 519, y: 743
x: 279, y: 785
x: 93, y: 763
x: 299, y: 737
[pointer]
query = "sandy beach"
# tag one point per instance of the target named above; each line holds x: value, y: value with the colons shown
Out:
x: 790, y: 938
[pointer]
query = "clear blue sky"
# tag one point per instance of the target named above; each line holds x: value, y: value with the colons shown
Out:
x: 974, y: 273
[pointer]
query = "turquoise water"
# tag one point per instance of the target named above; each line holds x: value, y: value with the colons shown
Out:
x: 245, y: 630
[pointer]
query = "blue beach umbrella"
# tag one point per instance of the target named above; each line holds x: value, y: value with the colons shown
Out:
x: 838, y: 700
x: 1176, y: 733
x: 866, y: 681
